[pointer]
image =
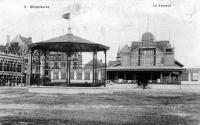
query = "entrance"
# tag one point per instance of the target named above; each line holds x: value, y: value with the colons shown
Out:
x: 143, y: 77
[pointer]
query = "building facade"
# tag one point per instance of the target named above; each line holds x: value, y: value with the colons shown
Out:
x: 191, y: 76
x: 11, y: 69
x: 14, y: 60
x: 56, y: 68
x: 147, y: 60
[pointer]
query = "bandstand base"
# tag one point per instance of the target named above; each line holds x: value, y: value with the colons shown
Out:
x: 67, y: 90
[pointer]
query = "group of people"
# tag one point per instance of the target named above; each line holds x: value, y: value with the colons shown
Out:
x: 142, y: 83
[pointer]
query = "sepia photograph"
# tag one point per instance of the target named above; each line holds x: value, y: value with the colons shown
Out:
x: 100, y: 62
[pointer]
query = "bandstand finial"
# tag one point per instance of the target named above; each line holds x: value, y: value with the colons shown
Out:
x: 69, y: 30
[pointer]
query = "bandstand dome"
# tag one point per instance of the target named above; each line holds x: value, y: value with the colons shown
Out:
x: 68, y: 43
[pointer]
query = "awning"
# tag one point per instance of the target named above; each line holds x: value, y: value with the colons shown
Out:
x: 145, y: 68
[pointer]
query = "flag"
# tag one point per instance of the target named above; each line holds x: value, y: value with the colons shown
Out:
x: 66, y: 16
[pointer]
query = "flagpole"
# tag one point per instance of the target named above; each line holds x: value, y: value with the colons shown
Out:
x: 69, y: 22
x: 67, y: 17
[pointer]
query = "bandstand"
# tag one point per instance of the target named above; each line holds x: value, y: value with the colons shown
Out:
x: 67, y: 44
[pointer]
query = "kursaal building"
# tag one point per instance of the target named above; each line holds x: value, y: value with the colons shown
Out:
x: 148, y: 61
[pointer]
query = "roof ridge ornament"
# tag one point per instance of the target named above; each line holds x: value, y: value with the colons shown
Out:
x: 69, y: 30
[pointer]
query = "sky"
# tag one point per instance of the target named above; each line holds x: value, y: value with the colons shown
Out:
x: 113, y: 23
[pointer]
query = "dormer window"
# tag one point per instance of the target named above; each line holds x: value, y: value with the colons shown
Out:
x: 168, y: 50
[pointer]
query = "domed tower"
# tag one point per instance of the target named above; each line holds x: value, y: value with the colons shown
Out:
x: 147, y: 38
x: 125, y: 52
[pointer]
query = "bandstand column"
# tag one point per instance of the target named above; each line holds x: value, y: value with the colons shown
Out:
x: 69, y: 69
x: 67, y: 72
x: 39, y: 65
x: 30, y: 79
x: 93, y: 74
x: 45, y: 59
x: 105, y: 73
x: 22, y: 67
x: 96, y: 74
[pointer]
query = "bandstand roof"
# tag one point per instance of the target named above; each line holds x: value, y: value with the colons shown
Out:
x: 68, y: 43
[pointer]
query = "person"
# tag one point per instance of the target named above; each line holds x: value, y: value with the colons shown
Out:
x: 143, y: 84
x: 8, y: 83
x: 138, y: 82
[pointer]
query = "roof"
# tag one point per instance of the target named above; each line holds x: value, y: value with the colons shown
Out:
x: 20, y: 38
x: 3, y: 47
x: 68, y: 43
x: 178, y: 63
x: 159, y: 44
x: 145, y: 68
x: 113, y: 63
x: 193, y: 69
x: 90, y: 64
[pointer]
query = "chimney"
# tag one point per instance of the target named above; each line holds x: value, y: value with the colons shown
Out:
x: 8, y: 39
x: 30, y: 39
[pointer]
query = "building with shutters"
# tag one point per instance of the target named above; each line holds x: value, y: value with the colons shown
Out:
x: 56, y: 65
x: 11, y: 68
x: 14, y: 60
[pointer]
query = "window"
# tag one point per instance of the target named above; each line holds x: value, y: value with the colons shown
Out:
x: 56, y: 65
x: 168, y: 50
x: 46, y: 72
x: 184, y: 76
x: 55, y: 75
x: 75, y: 65
x: 87, y: 75
x: 147, y: 57
x: 102, y: 75
x: 72, y: 75
x: 79, y: 75
x: 63, y: 75
x: 75, y: 56
x: 47, y: 65
x: 162, y: 60
x: 62, y: 64
x: 195, y: 76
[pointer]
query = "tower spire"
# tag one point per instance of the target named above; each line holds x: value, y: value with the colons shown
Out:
x: 139, y: 35
x: 148, y: 24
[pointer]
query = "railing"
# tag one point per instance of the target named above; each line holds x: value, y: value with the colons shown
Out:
x: 36, y: 80
x: 152, y: 82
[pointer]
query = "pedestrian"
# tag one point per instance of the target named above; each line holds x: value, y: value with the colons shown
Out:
x: 143, y: 84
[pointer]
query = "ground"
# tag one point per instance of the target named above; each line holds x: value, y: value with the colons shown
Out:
x: 134, y: 107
